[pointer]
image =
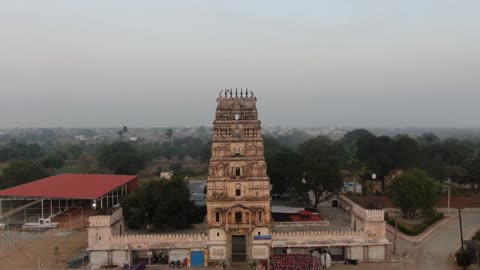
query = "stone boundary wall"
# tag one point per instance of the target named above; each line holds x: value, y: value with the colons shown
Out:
x: 326, y: 235
x: 365, y: 214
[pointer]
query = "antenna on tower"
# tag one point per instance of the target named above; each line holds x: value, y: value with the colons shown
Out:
x: 246, y: 93
x: 226, y: 92
x: 236, y: 92
x: 231, y: 93
x: 241, y: 92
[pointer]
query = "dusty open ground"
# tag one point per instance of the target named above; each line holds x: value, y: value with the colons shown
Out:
x: 41, y: 252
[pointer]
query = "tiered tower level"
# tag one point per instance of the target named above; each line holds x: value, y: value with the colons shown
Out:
x: 238, y: 186
x: 238, y: 197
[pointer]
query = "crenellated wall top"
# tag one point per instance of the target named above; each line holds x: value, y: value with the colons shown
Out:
x: 374, y: 215
x: 157, y: 238
x: 310, y: 235
x: 360, y: 212
x: 104, y: 220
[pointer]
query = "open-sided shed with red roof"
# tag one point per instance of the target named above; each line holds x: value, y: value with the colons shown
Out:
x: 65, y: 191
x: 73, y: 186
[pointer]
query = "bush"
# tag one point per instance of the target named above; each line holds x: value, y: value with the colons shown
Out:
x: 464, y: 258
x: 417, y: 229
x: 477, y: 236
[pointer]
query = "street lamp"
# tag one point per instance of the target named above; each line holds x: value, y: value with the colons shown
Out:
x: 449, y: 183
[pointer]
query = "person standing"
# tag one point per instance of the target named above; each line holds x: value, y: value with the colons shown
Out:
x: 328, y: 260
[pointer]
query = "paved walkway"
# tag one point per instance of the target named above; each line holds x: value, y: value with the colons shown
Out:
x: 435, y: 250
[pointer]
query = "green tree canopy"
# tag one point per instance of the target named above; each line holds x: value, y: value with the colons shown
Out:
x: 21, y: 172
x: 53, y: 161
x: 413, y: 191
x: 351, y: 138
x: 169, y: 134
x: 162, y: 203
x: 322, y: 159
x: 122, y: 158
x: 18, y: 151
x: 284, y: 165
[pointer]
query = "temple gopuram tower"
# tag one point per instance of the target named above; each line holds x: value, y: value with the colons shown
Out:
x: 238, y: 197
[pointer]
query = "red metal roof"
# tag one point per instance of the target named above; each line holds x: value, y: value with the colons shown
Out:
x: 299, y: 218
x: 305, y: 213
x: 71, y: 186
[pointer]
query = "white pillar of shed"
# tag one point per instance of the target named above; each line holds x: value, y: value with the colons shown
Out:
x: 42, y: 208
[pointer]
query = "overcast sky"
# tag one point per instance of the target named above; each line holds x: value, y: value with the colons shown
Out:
x: 157, y: 63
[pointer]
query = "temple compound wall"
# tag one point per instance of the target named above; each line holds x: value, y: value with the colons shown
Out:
x: 239, y: 226
x: 109, y: 245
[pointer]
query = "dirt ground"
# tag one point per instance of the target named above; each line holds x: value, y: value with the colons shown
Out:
x: 41, y: 252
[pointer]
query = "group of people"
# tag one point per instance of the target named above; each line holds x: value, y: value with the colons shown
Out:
x: 160, y: 258
x: 325, y: 258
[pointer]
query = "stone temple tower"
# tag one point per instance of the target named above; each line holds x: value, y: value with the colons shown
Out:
x: 238, y: 198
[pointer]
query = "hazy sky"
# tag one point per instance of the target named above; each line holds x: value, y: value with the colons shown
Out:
x: 316, y: 63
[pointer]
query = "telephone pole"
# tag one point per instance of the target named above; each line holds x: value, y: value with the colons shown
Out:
x: 461, y: 234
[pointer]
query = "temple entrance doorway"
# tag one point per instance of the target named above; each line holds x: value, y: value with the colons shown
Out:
x: 239, y: 249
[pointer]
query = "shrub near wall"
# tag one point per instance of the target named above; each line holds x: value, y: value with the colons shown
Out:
x: 464, y: 258
x: 477, y: 236
x: 417, y: 229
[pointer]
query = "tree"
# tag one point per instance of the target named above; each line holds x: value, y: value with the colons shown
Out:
x: 414, y: 190
x: 205, y: 152
x: 34, y: 151
x: 53, y: 161
x: 120, y: 134
x: 21, y: 172
x: 122, y: 158
x: 475, y: 171
x: 351, y: 138
x: 125, y: 130
x: 357, y: 169
x: 17, y: 151
x: 428, y: 139
x: 376, y: 154
x: 405, y: 152
x: 176, y: 167
x: 284, y: 165
x: 162, y: 203
x: 169, y: 134
x: 88, y: 164
x: 75, y: 151
x: 321, y: 162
